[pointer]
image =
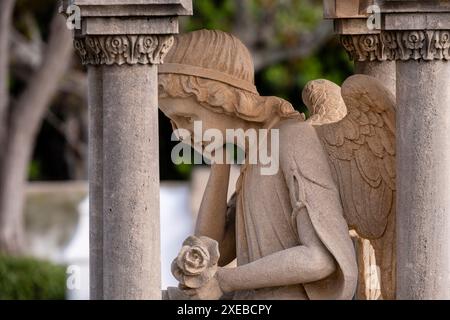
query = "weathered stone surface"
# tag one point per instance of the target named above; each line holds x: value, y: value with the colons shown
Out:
x: 351, y: 16
x: 423, y: 92
x: 146, y: 17
x: 124, y: 8
x: 95, y: 167
x: 399, y: 45
x: 345, y: 9
x: 131, y: 236
x: 384, y: 71
x: 125, y: 49
x: 121, y: 41
x: 415, y: 35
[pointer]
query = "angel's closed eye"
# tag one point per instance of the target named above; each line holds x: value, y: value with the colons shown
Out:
x: 186, y: 119
x: 189, y: 119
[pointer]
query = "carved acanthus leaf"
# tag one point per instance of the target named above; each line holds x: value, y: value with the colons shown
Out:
x: 399, y: 45
x: 123, y: 49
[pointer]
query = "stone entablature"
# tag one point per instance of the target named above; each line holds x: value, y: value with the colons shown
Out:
x: 126, y: 31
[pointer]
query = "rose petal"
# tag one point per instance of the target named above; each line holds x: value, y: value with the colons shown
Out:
x: 213, y: 249
x: 192, y: 241
x: 176, y: 271
x: 202, y: 251
x: 196, y: 264
x: 195, y: 260
x: 194, y: 271
x: 181, y: 256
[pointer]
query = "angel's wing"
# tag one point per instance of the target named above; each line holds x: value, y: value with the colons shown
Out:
x: 361, y: 149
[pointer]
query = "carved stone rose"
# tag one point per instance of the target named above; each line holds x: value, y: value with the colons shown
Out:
x: 197, y: 261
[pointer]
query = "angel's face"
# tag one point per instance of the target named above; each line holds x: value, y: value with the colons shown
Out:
x: 188, y: 114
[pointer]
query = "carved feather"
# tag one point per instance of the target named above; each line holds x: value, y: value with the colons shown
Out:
x: 361, y: 147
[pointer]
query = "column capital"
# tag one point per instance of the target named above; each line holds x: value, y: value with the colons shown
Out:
x: 380, y: 30
x: 123, y: 49
x: 398, y: 45
x: 124, y: 32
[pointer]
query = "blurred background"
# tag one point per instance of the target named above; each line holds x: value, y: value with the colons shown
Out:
x: 43, y: 131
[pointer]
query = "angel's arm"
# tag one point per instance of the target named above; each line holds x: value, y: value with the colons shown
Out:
x: 212, y: 219
x: 305, y: 263
x: 311, y: 260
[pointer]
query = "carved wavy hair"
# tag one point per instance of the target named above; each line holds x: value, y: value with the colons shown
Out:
x: 222, y: 52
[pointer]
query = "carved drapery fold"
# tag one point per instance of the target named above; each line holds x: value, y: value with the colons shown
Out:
x: 398, y: 45
x: 123, y: 49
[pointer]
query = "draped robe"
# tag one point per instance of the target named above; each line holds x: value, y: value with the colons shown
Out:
x: 267, y: 208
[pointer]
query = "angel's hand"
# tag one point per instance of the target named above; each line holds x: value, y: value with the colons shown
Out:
x: 210, y: 291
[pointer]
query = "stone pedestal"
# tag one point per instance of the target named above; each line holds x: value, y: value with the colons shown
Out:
x: 415, y: 35
x: 122, y: 42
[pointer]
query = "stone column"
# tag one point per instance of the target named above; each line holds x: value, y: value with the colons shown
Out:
x: 415, y: 35
x: 385, y: 71
x: 122, y: 42
x: 423, y: 170
x: 131, y: 257
x: 95, y: 169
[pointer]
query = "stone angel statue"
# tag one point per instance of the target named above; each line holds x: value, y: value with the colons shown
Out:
x: 288, y: 231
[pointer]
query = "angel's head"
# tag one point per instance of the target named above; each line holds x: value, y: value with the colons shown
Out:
x: 208, y: 76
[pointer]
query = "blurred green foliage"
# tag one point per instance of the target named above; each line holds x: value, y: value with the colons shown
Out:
x: 287, y: 79
x: 211, y: 15
x: 34, y: 170
x: 290, y: 16
x: 41, y: 11
x: 31, y: 279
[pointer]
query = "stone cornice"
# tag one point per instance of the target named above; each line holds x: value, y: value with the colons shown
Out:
x: 399, y: 45
x: 123, y: 49
x: 127, y: 8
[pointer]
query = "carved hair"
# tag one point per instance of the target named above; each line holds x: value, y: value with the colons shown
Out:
x: 221, y: 53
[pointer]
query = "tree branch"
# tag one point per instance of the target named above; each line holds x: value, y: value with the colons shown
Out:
x: 33, y: 102
x: 25, y: 120
x: 25, y: 52
x: 244, y: 24
x: 27, y: 57
x: 6, y: 12
x: 266, y: 25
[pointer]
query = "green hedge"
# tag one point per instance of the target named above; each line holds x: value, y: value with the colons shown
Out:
x: 31, y: 279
